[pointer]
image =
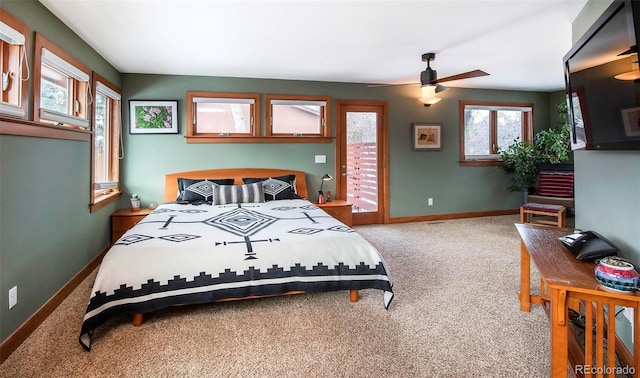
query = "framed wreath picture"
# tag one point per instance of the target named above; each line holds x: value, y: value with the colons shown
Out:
x: 427, y: 136
x: 153, y: 117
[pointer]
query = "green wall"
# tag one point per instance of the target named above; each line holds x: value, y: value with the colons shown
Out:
x: 46, y: 231
x: 607, y: 185
x: 607, y: 193
x: 414, y: 175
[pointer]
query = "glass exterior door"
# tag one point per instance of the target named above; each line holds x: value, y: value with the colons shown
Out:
x: 360, y: 163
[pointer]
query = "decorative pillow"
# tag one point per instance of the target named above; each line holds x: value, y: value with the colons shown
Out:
x: 556, y: 184
x: 224, y: 194
x: 276, y: 188
x: 198, y: 190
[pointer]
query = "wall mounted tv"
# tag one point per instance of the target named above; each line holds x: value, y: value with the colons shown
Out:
x: 603, y: 81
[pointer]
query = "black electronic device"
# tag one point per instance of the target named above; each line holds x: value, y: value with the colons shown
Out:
x: 602, y: 77
x: 588, y: 245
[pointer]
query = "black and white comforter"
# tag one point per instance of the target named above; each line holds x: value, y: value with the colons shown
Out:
x: 186, y: 254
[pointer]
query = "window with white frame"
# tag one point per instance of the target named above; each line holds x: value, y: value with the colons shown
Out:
x: 14, y: 66
x: 298, y: 116
x: 62, y: 93
x: 107, y: 141
x: 486, y: 128
x: 221, y: 114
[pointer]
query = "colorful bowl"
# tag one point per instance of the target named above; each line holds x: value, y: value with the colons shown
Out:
x: 617, y: 274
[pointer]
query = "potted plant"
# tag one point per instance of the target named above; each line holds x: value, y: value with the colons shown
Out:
x: 135, y: 202
x: 521, y: 159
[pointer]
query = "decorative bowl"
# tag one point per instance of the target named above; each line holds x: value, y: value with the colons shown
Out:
x: 618, y: 274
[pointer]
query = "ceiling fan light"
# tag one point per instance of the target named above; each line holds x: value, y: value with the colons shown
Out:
x: 631, y: 75
x: 428, y: 91
x: 430, y: 101
x: 429, y: 94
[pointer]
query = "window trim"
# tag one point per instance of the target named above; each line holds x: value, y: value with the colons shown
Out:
x: 493, y: 106
x: 80, y: 92
x: 325, y: 116
x: 191, y: 131
x: 99, y: 201
x: 23, y: 88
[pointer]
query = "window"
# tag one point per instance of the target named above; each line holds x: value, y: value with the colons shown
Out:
x: 61, y: 87
x: 488, y: 128
x: 107, y: 143
x: 298, y: 116
x: 14, y: 66
x: 222, y: 115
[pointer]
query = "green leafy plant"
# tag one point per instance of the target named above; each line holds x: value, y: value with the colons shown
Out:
x: 521, y: 159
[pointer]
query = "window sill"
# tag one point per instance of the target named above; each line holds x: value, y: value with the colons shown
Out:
x: 480, y: 163
x: 104, y: 201
x: 14, y: 126
x: 264, y: 139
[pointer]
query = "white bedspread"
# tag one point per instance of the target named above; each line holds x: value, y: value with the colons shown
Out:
x: 185, y: 254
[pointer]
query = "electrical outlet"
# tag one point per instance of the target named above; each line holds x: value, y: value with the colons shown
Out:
x: 430, y: 201
x: 13, y: 297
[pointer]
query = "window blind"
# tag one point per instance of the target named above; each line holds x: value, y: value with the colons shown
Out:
x: 105, y: 90
x: 11, y: 35
x: 63, y: 66
x: 224, y: 100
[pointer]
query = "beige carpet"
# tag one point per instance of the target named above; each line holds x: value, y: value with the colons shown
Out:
x: 455, y: 314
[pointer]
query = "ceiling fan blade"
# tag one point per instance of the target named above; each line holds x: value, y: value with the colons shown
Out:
x: 466, y: 75
x: 389, y: 85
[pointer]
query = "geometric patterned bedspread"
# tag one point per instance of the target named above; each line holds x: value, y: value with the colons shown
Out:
x: 188, y: 254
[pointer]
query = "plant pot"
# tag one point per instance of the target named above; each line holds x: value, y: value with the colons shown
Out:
x: 135, y: 204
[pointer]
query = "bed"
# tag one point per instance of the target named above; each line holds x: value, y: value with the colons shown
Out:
x: 251, y: 233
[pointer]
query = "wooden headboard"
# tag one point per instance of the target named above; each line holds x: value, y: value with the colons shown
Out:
x: 171, y: 179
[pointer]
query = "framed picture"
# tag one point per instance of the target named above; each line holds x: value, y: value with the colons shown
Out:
x: 427, y: 136
x: 153, y: 117
x: 631, y: 120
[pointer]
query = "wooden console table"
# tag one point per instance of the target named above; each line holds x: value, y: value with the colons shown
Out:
x: 570, y: 283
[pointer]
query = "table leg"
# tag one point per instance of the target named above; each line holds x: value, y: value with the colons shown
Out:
x: 559, y: 332
x: 525, y: 279
x: 636, y: 344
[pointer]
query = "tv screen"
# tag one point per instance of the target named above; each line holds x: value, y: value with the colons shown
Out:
x: 603, y: 82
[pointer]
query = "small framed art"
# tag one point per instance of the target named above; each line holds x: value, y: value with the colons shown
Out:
x: 427, y: 136
x: 153, y: 117
x: 631, y: 121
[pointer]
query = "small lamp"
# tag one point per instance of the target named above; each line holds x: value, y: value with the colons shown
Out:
x: 326, y: 177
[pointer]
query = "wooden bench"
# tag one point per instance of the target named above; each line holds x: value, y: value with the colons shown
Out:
x: 529, y: 210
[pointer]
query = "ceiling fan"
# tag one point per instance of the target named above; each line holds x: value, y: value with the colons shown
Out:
x: 429, y: 82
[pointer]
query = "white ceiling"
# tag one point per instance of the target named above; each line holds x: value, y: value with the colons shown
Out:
x: 519, y: 42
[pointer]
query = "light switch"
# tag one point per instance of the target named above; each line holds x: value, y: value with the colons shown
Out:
x: 321, y: 159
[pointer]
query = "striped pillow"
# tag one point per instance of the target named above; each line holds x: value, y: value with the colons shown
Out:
x: 556, y: 184
x: 224, y: 194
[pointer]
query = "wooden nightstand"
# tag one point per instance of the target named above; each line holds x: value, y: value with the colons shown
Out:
x: 339, y: 209
x: 124, y: 219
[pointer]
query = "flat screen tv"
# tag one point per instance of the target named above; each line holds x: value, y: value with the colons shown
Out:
x: 603, y: 81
